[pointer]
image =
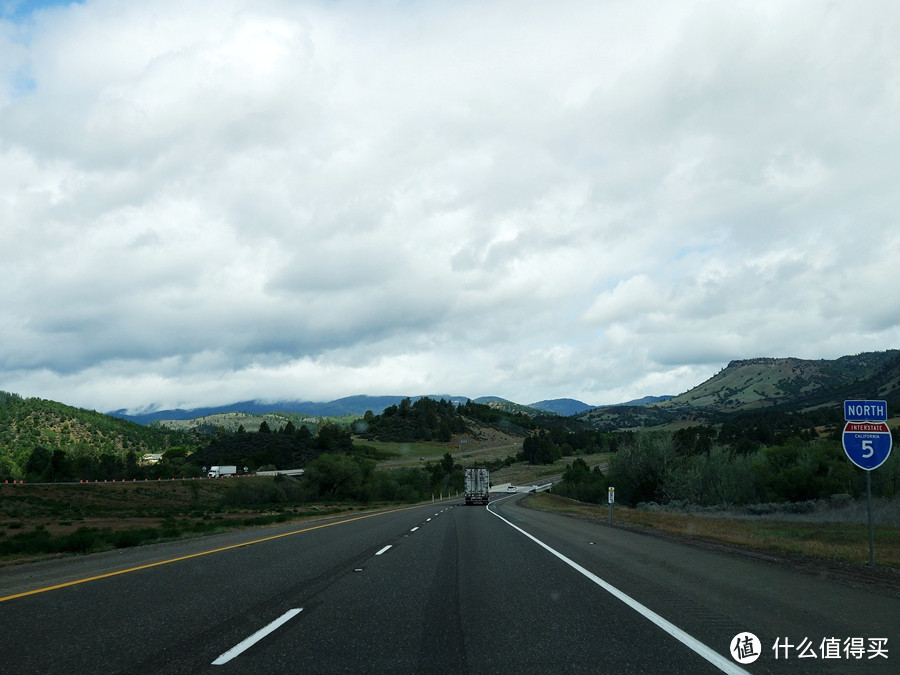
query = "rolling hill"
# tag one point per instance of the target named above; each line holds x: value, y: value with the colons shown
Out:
x: 562, y: 406
x: 85, y: 437
x: 794, y: 383
x: 789, y: 384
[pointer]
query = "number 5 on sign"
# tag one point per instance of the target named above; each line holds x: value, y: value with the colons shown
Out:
x: 867, y: 444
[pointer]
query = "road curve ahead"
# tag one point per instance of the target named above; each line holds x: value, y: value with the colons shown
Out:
x: 427, y: 589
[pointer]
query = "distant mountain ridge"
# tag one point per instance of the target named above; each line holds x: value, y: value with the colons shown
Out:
x: 358, y: 405
x: 742, y: 385
x: 349, y: 405
x: 570, y: 406
x: 562, y: 406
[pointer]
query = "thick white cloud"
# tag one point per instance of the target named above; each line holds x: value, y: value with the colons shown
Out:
x: 206, y: 201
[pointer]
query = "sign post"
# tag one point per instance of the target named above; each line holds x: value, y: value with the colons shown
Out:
x: 867, y: 443
x: 612, y: 499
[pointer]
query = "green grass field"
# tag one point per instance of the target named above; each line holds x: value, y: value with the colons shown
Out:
x: 407, y: 451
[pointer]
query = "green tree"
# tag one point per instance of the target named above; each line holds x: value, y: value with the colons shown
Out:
x: 447, y: 463
x: 582, y: 483
x: 444, y: 434
x: 405, y: 407
x: 9, y: 470
x: 338, y: 476
x: 39, y: 467
x: 60, y: 467
x: 575, y: 471
x: 332, y: 438
x: 539, y: 448
x: 639, y: 467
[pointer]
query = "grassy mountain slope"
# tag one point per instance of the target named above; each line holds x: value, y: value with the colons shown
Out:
x: 794, y: 383
x: 232, y: 421
x: 756, y: 384
x: 510, y: 407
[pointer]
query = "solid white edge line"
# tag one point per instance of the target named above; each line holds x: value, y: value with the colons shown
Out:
x: 256, y: 637
x: 689, y: 641
x: 384, y: 549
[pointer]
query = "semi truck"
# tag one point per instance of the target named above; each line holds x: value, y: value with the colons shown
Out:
x: 221, y: 471
x: 478, y: 486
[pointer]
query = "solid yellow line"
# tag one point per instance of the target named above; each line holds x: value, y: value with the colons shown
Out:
x: 197, y: 555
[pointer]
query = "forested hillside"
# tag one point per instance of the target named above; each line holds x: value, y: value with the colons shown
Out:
x: 430, y: 420
x: 46, y: 440
x: 285, y: 448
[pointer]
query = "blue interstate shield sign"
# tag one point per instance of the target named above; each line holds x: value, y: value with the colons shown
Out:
x: 867, y: 444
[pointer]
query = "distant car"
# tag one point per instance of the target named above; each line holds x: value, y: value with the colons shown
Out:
x: 512, y: 488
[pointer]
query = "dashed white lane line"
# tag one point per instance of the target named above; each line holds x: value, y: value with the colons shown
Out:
x: 275, y: 625
x: 256, y: 637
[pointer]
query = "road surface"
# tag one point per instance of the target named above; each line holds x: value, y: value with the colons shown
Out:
x: 434, y: 589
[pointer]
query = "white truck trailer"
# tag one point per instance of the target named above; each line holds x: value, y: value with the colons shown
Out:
x: 478, y: 486
x: 221, y: 471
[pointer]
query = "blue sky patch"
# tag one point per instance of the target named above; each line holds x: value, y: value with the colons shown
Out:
x: 17, y: 10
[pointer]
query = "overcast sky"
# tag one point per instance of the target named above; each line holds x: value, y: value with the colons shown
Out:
x: 210, y: 201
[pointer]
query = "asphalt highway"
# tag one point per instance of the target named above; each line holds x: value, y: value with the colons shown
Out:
x: 431, y: 589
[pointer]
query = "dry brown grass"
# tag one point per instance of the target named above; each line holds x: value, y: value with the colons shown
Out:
x: 843, y: 542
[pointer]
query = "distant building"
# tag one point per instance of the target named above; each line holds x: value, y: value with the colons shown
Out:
x: 150, y: 458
